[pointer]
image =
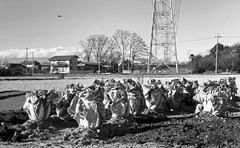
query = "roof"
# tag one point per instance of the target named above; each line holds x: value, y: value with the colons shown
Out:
x: 62, y: 58
x: 88, y: 63
x: 2, y: 67
x: 92, y: 63
x: 27, y: 63
x: 107, y: 66
x: 16, y: 64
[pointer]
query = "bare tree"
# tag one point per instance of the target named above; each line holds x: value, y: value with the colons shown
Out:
x: 94, y: 47
x: 112, y: 55
x: 137, y: 48
x: 120, y: 40
x: 123, y: 44
x: 100, y: 51
x: 88, y: 47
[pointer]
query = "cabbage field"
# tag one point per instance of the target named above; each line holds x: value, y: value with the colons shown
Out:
x: 169, y: 129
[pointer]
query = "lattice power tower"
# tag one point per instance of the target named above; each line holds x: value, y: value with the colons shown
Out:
x: 163, y: 49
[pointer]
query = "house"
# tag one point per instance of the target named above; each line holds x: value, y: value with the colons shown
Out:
x: 94, y: 67
x: 28, y: 64
x: 63, y: 64
x: 12, y: 69
x: 17, y: 67
x: 45, y: 66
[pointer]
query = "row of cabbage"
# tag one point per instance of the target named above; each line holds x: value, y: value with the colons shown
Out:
x: 93, y: 105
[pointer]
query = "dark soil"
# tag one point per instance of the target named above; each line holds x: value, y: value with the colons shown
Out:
x: 13, y: 117
x: 183, y: 129
x: 9, y: 94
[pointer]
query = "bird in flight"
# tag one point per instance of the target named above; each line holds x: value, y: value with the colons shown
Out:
x: 59, y: 15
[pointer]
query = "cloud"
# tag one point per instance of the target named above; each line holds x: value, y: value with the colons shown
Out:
x: 40, y: 52
x: 96, y: 28
x: 32, y: 34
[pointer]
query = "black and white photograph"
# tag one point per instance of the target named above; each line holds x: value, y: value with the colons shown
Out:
x: 119, y: 73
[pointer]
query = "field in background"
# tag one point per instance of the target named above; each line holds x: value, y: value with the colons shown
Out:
x: 20, y: 83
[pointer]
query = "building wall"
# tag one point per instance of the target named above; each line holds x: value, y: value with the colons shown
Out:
x: 73, y: 64
x: 59, y: 67
x: 64, y: 66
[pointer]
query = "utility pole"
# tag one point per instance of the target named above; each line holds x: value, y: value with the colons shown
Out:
x: 33, y: 63
x: 216, y: 61
x: 99, y: 62
x: 123, y: 59
x: 26, y: 59
x: 131, y: 57
x: 26, y: 54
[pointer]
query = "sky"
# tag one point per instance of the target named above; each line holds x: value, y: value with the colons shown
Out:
x: 34, y: 24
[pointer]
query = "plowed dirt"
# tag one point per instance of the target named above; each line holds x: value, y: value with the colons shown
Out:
x: 169, y: 129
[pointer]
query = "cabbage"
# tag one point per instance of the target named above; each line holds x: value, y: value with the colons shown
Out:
x: 87, y: 108
x: 119, y: 105
x: 38, y: 104
x: 154, y: 97
x: 68, y: 94
x: 215, y: 103
x: 135, y: 96
x: 137, y: 101
x: 61, y: 108
x: 214, y: 97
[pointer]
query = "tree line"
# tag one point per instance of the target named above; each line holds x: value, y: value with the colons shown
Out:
x: 123, y: 48
x: 228, y: 60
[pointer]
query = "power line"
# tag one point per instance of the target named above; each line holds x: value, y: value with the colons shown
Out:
x: 177, y: 13
x: 200, y: 39
x: 230, y: 36
x: 207, y: 39
x: 195, y: 40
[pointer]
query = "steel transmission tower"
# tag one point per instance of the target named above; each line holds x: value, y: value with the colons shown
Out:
x: 163, y: 37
